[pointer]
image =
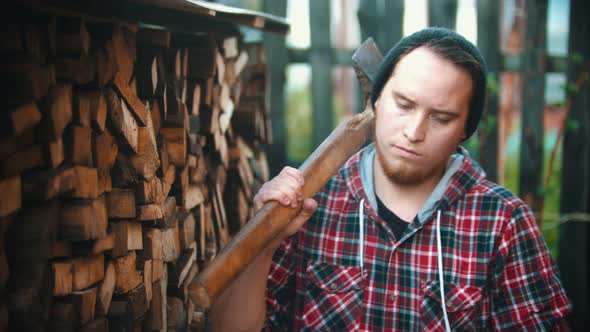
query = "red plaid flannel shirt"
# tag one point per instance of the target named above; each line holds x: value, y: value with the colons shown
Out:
x: 498, y: 273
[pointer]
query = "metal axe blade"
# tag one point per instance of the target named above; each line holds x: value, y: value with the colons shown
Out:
x: 365, y: 61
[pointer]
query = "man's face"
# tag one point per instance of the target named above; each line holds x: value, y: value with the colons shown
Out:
x: 420, y: 116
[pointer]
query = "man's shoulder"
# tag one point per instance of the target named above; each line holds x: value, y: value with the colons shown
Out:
x: 491, y: 191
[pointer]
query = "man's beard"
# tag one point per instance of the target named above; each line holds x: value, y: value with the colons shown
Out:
x: 402, y: 172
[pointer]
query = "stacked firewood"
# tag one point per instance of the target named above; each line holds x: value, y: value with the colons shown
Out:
x: 128, y: 158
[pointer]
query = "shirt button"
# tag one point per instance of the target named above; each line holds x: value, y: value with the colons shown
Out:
x: 333, y: 286
x: 392, y: 297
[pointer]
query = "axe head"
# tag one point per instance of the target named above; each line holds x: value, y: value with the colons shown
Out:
x: 365, y: 61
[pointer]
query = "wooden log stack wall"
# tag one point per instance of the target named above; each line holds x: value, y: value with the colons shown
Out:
x: 128, y: 157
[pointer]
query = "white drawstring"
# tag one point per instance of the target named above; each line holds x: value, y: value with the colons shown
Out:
x: 362, y: 237
x: 440, y: 273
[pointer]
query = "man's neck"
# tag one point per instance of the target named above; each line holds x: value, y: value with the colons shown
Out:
x: 405, y: 200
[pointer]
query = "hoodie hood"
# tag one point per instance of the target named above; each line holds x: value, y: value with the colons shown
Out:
x: 461, y: 174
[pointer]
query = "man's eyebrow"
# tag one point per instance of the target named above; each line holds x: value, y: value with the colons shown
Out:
x: 445, y: 113
x: 402, y: 96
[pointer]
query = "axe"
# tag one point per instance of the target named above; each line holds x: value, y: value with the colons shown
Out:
x: 317, y: 169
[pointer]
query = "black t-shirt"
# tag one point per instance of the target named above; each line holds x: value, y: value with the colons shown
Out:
x: 397, y: 224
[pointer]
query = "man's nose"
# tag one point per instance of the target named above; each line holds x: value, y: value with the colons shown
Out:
x: 415, y: 127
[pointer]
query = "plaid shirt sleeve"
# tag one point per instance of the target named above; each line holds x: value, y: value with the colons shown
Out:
x: 280, y: 289
x: 528, y: 294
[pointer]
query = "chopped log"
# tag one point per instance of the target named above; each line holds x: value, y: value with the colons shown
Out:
x: 169, y: 244
x: 230, y: 47
x: 20, y: 119
x: 82, y: 220
x: 137, y: 300
x: 220, y: 68
x: 200, y: 231
x: 176, y: 141
x: 156, y: 115
x: 156, y: 316
x: 62, y: 278
x: 80, y: 70
x: 84, y: 305
x: 207, y: 92
x: 87, y: 271
x: 86, y: 183
x: 180, y: 269
x: 104, y: 151
x: 106, y: 63
x: 186, y: 227
x: 124, y: 51
x: 81, y: 110
x: 147, y: 279
x: 153, y: 37
x: 97, y: 108
x: 149, y: 192
x: 234, y: 68
x: 10, y: 194
x: 123, y: 174
x: 168, y: 180
x: 136, y: 107
x: 94, y: 247
x: 209, y: 119
x: 121, y: 203
x: 146, y: 74
x: 56, y: 113
x: 127, y: 276
x: 169, y: 211
x: 72, y: 37
x: 192, y: 197
x: 157, y: 268
x: 173, y: 63
x: 164, y: 159
x: 78, y: 146
x: 152, y: 245
x: 198, y: 174
x: 105, y: 290
x: 46, y: 185
x: 146, y: 162
x: 127, y: 237
x: 150, y: 212
x: 193, y: 100
x: 220, y: 223
x: 122, y: 120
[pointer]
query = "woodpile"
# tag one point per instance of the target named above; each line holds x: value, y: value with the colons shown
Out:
x: 128, y: 158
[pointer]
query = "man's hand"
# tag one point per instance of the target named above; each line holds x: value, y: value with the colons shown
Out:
x: 286, y: 188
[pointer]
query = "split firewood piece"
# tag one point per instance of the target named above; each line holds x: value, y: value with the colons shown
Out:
x: 105, y: 290
x: 168, y: 180
x: 56, y: 112
x: 78, y: 146
x: 149, y: 192
x: 10, y: 195
x: 186, y: 225
x: 152, y: 245
x: 122, y: 120
x: 123, y: 174
x: 181, y: 268
x: 26, y: 80
x: 124, y: 41
x: 127, y: 276
x: 176, y: 143
x: 86, y: 183
x: 147, y: 279
x: 147, y: 161
x: 97, y: 108
x: 135, y: 105
x: 234, y: 68
x: 158, y: 266
x: 19, y: 120
x: 87, y: 271
x: 106, y: 63
x: 61, y: 249
x: 62, y: 278
x: 10, y: 145
x: 230, y: 47
x: 104, y: 152
x: 127, y: 237
x: 83, y: 220
x: 156, y: 316
x: 45, y: 185
x: 193, y: 100
x: 170, y: 244
x: 84, y: 304
x: 121, y: 203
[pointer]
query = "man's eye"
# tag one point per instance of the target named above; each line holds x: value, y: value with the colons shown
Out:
x: 441, y: 119
x: 403, y: 106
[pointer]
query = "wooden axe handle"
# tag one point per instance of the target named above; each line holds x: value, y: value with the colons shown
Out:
x: 269, y: 221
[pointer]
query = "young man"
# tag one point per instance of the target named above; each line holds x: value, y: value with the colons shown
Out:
x: 409, y: 235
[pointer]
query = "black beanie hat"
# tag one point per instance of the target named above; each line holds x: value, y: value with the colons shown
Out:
x: 438, y: 36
